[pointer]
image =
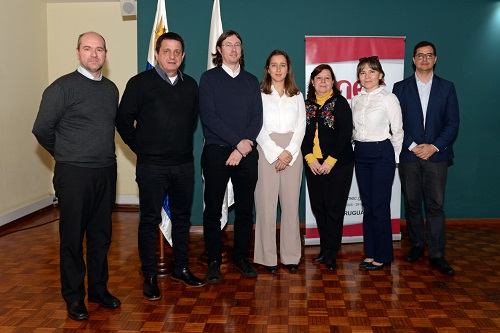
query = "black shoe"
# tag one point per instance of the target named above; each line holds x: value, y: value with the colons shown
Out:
x: 377, y: 266
x: 442, y: 265
x: 292, y: 267
x: 330, y: 264
x: 213, y: 272
x: 187, y: 278
x: 320, y: 258
x: 151, y: 292
x: 415, y: 253
x: 272, y: 269
x: 78, y: 311
x: 245, y: 268
x: 106, y: 300
x: 364, y: 263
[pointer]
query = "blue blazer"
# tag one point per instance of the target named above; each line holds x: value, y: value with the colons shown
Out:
x: 441, y: 122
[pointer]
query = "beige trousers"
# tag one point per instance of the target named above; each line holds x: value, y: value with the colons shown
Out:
x: 272, y: 185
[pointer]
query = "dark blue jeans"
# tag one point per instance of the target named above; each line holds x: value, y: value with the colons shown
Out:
x: 154, y: 182
x: 375, y: 166
x: 425, y: 181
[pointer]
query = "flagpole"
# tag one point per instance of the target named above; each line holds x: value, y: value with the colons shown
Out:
x: 160, y: 26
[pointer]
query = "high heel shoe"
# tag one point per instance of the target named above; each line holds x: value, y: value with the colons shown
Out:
x: 365, y: 263
x: 272, y: 269
x: 373, y: 267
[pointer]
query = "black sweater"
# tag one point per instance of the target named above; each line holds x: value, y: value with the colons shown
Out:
x: 165, y: 117
x: 334, y: 121
x: 76, y: 121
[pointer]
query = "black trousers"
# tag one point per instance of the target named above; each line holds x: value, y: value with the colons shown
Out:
x: 425, y: 181
x: 86, y: 200
x: 328, y: 196
x: 154, y: 182
x: 244, y: 178
x: 375, y: 169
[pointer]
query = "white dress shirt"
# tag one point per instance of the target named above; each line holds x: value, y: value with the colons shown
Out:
x: 230, y: 71
x: 282, y: 115
x: 424, y: 91
x: 87, y: 74
x: 377, y: 117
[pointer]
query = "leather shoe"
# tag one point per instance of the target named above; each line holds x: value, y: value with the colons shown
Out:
x: 272, y: 269
x: 442, y: 265
x: 379, y: 267
x: 320, y: 258
x: 331, y: 264
x: 106, y: 300
x: 292, y: 267
x: 78, y: 311
x: 365, y: 263
x: 213, y: 273
x: 245, y: 268
x: 415, y: 253
x: 187, y: 278
x: 151, y: 292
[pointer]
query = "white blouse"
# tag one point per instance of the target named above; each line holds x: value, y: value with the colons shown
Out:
x: 377, y: 117
x: 282, y: 115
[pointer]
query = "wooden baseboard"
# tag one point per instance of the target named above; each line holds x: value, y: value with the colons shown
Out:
x: 199, y: 228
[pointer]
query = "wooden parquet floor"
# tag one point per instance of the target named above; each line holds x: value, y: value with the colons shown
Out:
x: 403, y: 298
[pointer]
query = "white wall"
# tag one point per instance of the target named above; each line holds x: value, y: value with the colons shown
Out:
x: 38, y: 45
x: 65, y: 23
x: 25, y: 169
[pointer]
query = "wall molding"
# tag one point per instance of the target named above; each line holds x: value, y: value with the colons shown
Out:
x: 26, y: 210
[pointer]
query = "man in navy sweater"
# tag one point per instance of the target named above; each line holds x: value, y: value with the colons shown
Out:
x: 231, y: 113
x: 163, y: 104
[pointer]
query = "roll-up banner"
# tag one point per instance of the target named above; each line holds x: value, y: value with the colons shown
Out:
x: 342, y: 53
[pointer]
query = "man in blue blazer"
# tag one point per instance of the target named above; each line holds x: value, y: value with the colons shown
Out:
x: 430, y: 122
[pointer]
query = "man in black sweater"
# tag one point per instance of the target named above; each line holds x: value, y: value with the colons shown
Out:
x: 163, y: 104
x: 76, y: 125
x: 231, y: 112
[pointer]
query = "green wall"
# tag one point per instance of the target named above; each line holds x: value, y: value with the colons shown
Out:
x: 466, y: 34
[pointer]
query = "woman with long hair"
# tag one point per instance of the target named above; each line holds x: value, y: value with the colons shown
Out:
x: 280, y: 174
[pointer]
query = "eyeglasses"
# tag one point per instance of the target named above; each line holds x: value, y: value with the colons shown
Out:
x: 428, y: 56
x: 230, y: 46
x: 372, y: 58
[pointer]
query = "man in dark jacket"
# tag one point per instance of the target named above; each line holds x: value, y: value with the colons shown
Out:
x: 156, y: 119
x: 430, y: 122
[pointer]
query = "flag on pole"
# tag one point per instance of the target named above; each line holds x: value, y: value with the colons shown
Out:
x: 166, y: 221
x: 160, y: 26
x: 215, y: 31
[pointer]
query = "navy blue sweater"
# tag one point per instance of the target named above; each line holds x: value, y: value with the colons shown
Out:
x: 230, y: 108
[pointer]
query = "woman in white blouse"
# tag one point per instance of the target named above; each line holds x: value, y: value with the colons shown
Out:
x: 280, y: 165
x: 378, y: 137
